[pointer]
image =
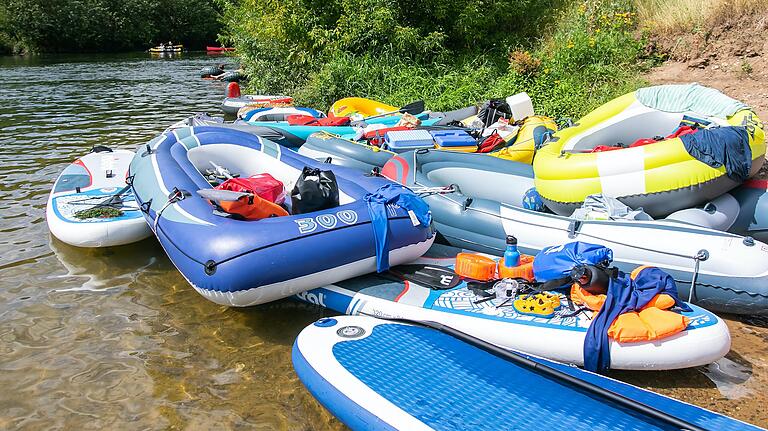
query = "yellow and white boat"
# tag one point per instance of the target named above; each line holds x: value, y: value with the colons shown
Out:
x: 359, y: 107
x: 658, y: 174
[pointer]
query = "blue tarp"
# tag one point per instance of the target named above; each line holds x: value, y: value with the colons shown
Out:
x: 392, y: 194
x: 722, y: 146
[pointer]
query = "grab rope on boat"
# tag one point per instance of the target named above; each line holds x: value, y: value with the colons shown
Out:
x: 175, y: 196
x: 427, y: 191
x: 699, y: 257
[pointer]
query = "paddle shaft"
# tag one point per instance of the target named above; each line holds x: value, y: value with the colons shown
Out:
x: 110, y: 200
x: 557, y: 374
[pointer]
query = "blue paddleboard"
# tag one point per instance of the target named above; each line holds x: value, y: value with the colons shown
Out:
x: 378, y: 375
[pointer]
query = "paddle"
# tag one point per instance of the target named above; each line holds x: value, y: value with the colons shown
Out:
x: 552, y: 372
x: 412, y: 108
x: 222, y: 195
x: 432, y: 276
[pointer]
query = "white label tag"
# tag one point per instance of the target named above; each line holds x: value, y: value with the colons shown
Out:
x: 413, y: 217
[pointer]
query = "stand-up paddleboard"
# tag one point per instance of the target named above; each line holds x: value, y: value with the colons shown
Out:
x: 560, y: 337
x: 379, y: 375
x: 90, y: 204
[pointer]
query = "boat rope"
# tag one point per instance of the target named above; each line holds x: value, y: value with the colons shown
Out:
x: 175, y: 196
x: 701, y: 255
x: 427, y: 191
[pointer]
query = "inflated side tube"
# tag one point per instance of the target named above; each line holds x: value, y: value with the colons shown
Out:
x: 359, y: 107
x: 661, y: 177
x: 233, y: 76
x: 247, y: 262
x: 211, y: 70
x: 729, y: 272
x: 344, y: 152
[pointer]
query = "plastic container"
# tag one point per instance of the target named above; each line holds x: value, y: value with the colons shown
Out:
x: 453, y: 139
x: 408, y: 140
x: 521, y: 106
x: 475, y: 266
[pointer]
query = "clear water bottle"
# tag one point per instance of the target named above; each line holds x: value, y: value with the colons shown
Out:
x: 511, y: 255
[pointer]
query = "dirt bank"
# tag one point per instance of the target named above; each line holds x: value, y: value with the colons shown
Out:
x: 728, y: 55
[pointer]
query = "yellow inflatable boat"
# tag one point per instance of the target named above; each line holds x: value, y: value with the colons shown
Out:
x: 532, y: 133
x: 359, y: 106
x: 661, y: 148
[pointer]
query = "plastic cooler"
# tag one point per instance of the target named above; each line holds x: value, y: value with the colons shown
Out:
x: 454, y: 140
x: 404, y: 140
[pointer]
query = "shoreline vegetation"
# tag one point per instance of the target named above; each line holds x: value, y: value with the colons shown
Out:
x: 77, y: 26
x: 569, y: 55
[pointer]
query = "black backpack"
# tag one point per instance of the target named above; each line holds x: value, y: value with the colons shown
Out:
x: 314, y: 191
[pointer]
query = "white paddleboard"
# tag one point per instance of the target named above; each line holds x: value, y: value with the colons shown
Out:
x: 86, y: 184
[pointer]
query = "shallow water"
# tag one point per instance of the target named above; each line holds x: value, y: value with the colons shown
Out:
x: 116, y: 338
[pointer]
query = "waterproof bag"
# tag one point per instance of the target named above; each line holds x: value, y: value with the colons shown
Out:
x: 492, y: 110
x: 315, y: 190
x: 553, y: 265
x: 265, y: 193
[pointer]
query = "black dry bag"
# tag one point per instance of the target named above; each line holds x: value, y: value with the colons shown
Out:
x: 492, y: 110
x: 314, y: 191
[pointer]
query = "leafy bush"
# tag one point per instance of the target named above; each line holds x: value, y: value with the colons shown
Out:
x: 569, y: 56
x: 104, y: 25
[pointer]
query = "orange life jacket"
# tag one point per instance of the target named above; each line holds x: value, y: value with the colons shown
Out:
x: 652, y: 322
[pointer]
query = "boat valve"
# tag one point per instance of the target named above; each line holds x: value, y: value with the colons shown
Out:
x: 749, y: 241
x: 210, y: 267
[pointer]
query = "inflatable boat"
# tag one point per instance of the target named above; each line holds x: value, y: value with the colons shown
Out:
x: 662, y: 148
x: 235, y: 100
x: 743, y: 211
x: 231, y: 105
x: 559, y: 337
x: 377, y: 375
x: 90, y: 204
x: 476, y: 201
x: 245, y: 262
x: 359, y: 107
x: 294, y: 135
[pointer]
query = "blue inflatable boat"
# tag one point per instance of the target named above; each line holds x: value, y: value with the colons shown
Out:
x: 379, y: 375
x: 246, y: 262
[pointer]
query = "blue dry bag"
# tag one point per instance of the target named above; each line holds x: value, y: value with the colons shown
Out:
x: 556, y: 262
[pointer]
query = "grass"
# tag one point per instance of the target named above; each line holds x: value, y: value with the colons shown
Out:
x: 588, y: 53
x: 682, y: 16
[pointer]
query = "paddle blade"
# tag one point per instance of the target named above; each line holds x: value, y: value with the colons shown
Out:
x: 413, y: 108
x: 432, y: 276
x: 221, y: 195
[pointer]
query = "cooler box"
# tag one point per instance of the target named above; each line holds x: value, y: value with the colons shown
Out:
x: 404, y: 140
x: 454, y: 140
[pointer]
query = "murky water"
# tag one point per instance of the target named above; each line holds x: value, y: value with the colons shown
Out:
x: 116, y: 339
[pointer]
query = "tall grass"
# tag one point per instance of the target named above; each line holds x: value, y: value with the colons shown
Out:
x: 680, y: 16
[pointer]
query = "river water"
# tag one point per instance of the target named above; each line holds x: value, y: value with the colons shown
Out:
x: 116, y: 338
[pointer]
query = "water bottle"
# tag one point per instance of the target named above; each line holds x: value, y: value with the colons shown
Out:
x: 511, y: 255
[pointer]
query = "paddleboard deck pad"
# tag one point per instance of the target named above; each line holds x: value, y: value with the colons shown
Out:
x: 560, y: 337
x: 379, y: 375
x: 85, y: 185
